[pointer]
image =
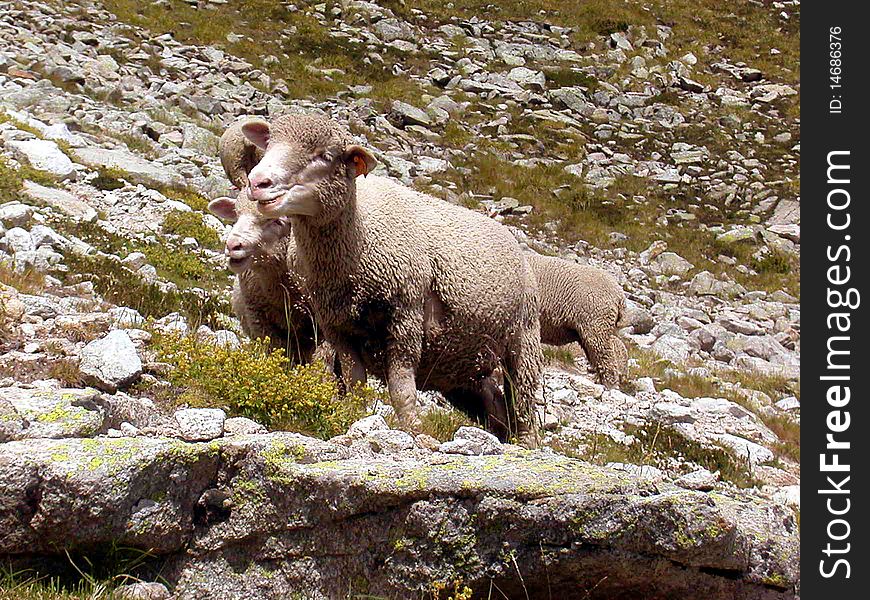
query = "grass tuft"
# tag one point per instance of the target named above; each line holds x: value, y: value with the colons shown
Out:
x: 442, y: 423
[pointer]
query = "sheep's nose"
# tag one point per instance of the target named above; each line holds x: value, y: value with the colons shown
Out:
x: 261, y: 182
x: 234, y: 245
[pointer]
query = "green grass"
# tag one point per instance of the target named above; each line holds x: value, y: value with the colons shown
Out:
x: 92, y: 576
x: 119, y: 285
x: 560, y: 356
x: 184, y: 268
x: 442, y: 423
x: 301, y: 57
x: 190, y: 224
x: 657, y: 444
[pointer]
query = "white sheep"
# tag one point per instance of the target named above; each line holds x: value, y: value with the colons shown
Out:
x: 268, y: 295
x: 421, y: 293
x: 582, y: 304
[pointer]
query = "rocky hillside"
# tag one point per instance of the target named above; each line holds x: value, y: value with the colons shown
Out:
x: 657, y: 140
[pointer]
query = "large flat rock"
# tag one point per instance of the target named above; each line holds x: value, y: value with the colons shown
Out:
x: 264, y: 516
x: 135, y: 168
x: 62, y: 200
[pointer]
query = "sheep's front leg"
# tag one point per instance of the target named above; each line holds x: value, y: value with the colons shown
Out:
x: 403, y: 356
x: 401, y: 383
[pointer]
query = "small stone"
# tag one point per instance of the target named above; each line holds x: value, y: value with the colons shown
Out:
x: 135, y: 169
x: 390, y: 441
x: 112, y: 362
x: 17, y: 241
x: 743, y: 448
x: 141, y: 591
x: 528, y: 77
x: 671, y: 263
x: 671, y: 412
x: 645, y: 384
x: 426, y: 442
x: 740, y: 326
x: 200, y: 424
x: 789, y: 495
x: 736, y: 235
x: 701, y: 480
x: 15, y: 214
x: 243, y: 426
x: 404, y: 114
x: 366, y: 426
x: 129, y: 430
x: 472, y: 441
x: 789, y: 403
x: 464, y: 447
x: 643, y: 471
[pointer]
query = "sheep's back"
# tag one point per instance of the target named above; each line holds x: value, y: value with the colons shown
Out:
x: 477, y: 266
x: 574, y: 296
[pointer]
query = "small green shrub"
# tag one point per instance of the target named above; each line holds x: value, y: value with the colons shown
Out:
x: 264, y: 385
x: 773, y: 262
x: 190, y: 224
x: 179, y: 267
x: 26, y: 172
x: 567, y: 77
x: 10, y: 182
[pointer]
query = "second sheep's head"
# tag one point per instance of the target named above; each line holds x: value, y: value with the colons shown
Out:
x: 308, y: 168
x: 253, y: 235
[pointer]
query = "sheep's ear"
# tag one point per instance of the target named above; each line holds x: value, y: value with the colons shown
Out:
x: 224, y: 208
x: 360, y: 159
x: 257, y: 131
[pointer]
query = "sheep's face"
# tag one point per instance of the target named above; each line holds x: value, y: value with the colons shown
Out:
x: 308, y: 167
x: 253, y: 235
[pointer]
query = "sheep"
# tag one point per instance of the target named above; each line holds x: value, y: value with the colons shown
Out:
x: 238, y: 156
x: 582, y: 304
x: 268, y: 295
x: 421, y: 293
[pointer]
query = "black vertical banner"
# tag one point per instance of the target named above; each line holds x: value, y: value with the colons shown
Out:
x: 835, y: 252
